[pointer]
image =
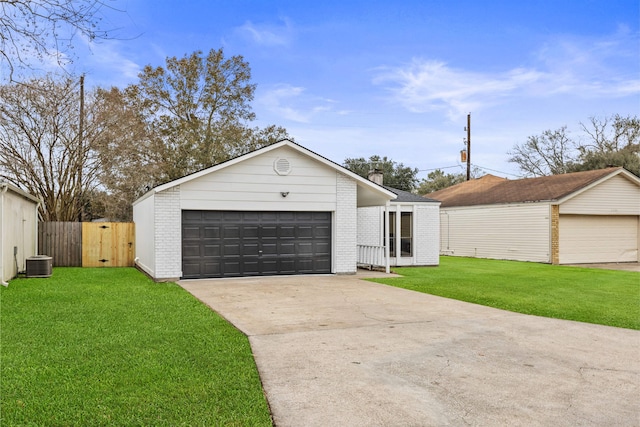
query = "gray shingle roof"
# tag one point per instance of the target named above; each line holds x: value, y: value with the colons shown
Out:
x: 405, y: 196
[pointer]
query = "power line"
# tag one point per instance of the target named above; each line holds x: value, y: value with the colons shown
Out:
x: 493, y: 170
x: 443, y: 167
x: 474, y: 165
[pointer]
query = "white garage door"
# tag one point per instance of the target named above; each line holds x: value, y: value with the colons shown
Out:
x: 592, y: 239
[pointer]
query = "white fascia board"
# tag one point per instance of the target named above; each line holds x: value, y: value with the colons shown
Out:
x: 20, y: 192
x: 427, y: 203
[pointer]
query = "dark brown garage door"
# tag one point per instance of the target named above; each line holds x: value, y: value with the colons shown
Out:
x: 236, y: 244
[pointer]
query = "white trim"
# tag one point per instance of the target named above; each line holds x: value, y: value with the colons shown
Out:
x: 625, y: 173
x: 3, y: 190
x: 387, y: 267
x: 19, y: 192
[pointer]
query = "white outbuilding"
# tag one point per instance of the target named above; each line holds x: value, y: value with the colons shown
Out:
x: 18, y: 230
x: 574, y: 218
x: 281, y: 209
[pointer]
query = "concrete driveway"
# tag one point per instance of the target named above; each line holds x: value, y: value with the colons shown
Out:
x: 339, y: 351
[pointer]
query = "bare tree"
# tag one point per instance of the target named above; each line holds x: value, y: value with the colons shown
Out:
x: 40, y: 146
x: 612, y: 141
x: 550, y: 153
x: 45, y: 28
x: 604, y: 142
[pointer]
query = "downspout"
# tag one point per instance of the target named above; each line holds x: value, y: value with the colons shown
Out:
x: 387, y: 267
x: 3, y: 189
x: 35, y: 237
x: 448, y: 229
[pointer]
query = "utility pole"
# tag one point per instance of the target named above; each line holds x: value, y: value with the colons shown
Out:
x: 81, y: 148
x: 468, y: 146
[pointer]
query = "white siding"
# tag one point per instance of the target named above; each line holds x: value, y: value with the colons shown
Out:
x: 427, y: 234
x: 254, y: 185
x: 345, y: 222
x: 616, y: 196
x: 19, y: 229
x: 515, y: 232
x: 596, y: 238
x: 144, y: 218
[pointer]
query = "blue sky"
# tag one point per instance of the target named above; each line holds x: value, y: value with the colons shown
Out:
x: 397, y: 78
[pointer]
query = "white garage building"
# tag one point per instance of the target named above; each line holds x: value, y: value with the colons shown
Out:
x: 18, y: 230
x: 582, y: 217
x: 281, y: 209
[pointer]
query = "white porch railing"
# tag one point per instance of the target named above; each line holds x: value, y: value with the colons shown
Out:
x: 372, y: 256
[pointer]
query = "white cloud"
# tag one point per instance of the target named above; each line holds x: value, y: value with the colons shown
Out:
x: 424, y: 86
x: 267, y: 35
x: 603, y: 68
x: 290, y: 102
x: 108, y: 57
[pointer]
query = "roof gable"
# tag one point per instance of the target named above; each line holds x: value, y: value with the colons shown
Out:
x: 494, y: 190
x: 372, y: 192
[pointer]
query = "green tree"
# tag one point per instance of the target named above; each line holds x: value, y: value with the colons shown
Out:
x: 130, y: 154
x: 177, y: 120
x: 438, y: 179
x: 199, y: 109
x: 396, y: 175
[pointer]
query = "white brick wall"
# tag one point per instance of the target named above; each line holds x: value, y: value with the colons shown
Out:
x: 168, y: 224
x: 369, y: 225
x: 346, y: 225
x: 427, y: 235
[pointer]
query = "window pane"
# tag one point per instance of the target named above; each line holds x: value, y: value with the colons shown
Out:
x: 406, y: 234
x: 392, y: 234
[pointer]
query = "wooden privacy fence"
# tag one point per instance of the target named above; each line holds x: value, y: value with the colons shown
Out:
x: 88, y: 244
x: 62, y: 241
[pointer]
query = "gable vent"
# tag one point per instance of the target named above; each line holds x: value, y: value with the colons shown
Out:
x: 282, y: 166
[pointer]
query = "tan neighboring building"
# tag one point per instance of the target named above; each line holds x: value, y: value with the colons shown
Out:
x: 575, y: 218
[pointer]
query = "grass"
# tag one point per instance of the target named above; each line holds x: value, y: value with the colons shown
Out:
x: 604, y: 297
x: 94, y: 347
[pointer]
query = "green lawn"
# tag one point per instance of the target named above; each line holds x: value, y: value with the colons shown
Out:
x: 588, y: 295
x: 91, y: 347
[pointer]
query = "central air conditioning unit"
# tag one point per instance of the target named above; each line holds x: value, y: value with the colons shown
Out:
x: 39, y: 266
